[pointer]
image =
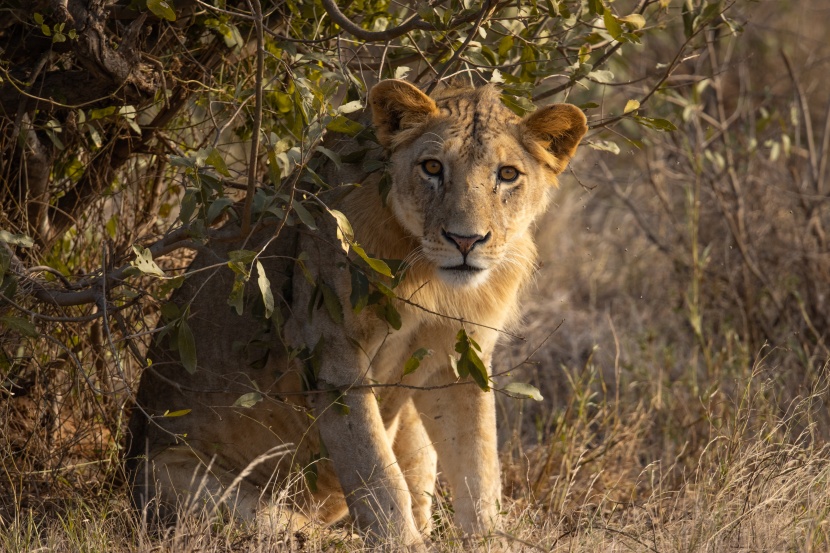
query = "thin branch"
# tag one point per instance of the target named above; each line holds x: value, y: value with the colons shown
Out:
x: 414, y: 22
x: 675, y: 63
x: 602, y: 59
x: 485, y: 10
x: 804, y: 108
x: 256, y: 7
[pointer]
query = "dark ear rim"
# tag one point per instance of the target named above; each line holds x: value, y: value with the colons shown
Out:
x: 396, y: 107
x: 557, y: 129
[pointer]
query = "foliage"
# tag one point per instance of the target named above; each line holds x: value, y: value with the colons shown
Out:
x: 132, y: 132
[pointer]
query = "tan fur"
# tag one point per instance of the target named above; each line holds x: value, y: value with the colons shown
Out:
x: 373, y: 449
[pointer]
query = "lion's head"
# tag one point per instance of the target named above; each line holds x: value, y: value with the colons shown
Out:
x: 469, y: 175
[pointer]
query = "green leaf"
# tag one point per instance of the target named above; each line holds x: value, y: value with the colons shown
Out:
x: 248, y: 400
x: 216, y: 208
x: 596, y: 7
x: 635, y: 20
x: 21, y: 240
x: 310, y: 474
x: 392, y: 316
x: 612, y: 25
x: 214, y: 159
x: 179, y: 413
x: 385, y: 290
x: 237, y: 295
x: 38, y: 18
x: 344, y: 125
x: 144, y: 261
x: 265, y: 289
x: 354, y: 157
x: 377, y: 265
x: 469, y: 363
x: 8, y: 282
x: 187, y: 347
x: 345, y: 232
x: 332, y: 303
x: 170, y: 311
x: 505, y: 44
x: 656, y: 124
x: 414, y: 361
x: 359, y: 297
x: 242, y: 256
x: 523, y: 391
x: 22, y: 326
x: 162, y: 9
x: 109, y: 112
x: 274, y: 172
x: 188, y: 207
x: 304, y: 215
x: 301, y: 259
x: 518, y: 104
x: 333, y: 156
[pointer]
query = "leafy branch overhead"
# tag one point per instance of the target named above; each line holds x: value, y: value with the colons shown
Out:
x: 134, y: 133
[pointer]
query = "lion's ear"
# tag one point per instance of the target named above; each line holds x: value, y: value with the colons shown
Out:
x: 398, y: 106
x: 554, y: 132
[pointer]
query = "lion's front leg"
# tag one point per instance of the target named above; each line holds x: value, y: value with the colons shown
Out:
x: 377, y: 494
x: 417, y: 459
x: 461, y: 422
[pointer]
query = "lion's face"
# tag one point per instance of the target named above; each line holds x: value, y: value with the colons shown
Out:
x: 469, y: 176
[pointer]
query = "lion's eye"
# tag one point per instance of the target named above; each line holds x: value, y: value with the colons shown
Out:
x: 432, y: 167
x: 508, y: 174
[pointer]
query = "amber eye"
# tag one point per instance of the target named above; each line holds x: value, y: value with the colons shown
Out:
x: 432, y: 167
x: 508, y: 173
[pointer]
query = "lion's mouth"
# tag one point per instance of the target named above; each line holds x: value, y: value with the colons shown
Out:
x: 463, y: 268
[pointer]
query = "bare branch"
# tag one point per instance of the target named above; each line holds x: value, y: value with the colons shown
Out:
x: 257, y: 122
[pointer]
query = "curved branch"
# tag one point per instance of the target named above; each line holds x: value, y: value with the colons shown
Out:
x: 414, y: 22
x: 91, y: 288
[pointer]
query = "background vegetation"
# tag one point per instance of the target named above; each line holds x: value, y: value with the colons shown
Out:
x: 678, y: 327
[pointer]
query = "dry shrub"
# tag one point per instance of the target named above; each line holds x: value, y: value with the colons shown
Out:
x: 685, y: 388
x: 688, y: 378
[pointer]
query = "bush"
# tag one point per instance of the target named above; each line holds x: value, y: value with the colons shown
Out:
x: 695, y: 258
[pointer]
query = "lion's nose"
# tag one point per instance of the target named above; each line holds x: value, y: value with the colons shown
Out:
x: 465, y: 244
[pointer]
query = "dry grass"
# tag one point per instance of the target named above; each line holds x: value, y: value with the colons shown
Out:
x: 685, y: 390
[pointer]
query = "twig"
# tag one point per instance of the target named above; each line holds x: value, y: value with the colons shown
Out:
x: 485, y: 9
x: 805, y: 115
x: 825, y: 149
x: 414, y: 22
x: 602, y: 59
x: 256, y: 7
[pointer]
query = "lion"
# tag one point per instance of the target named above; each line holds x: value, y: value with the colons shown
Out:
x: 311, y: 410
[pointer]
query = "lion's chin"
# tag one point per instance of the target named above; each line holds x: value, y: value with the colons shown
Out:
x: 463, y: 276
